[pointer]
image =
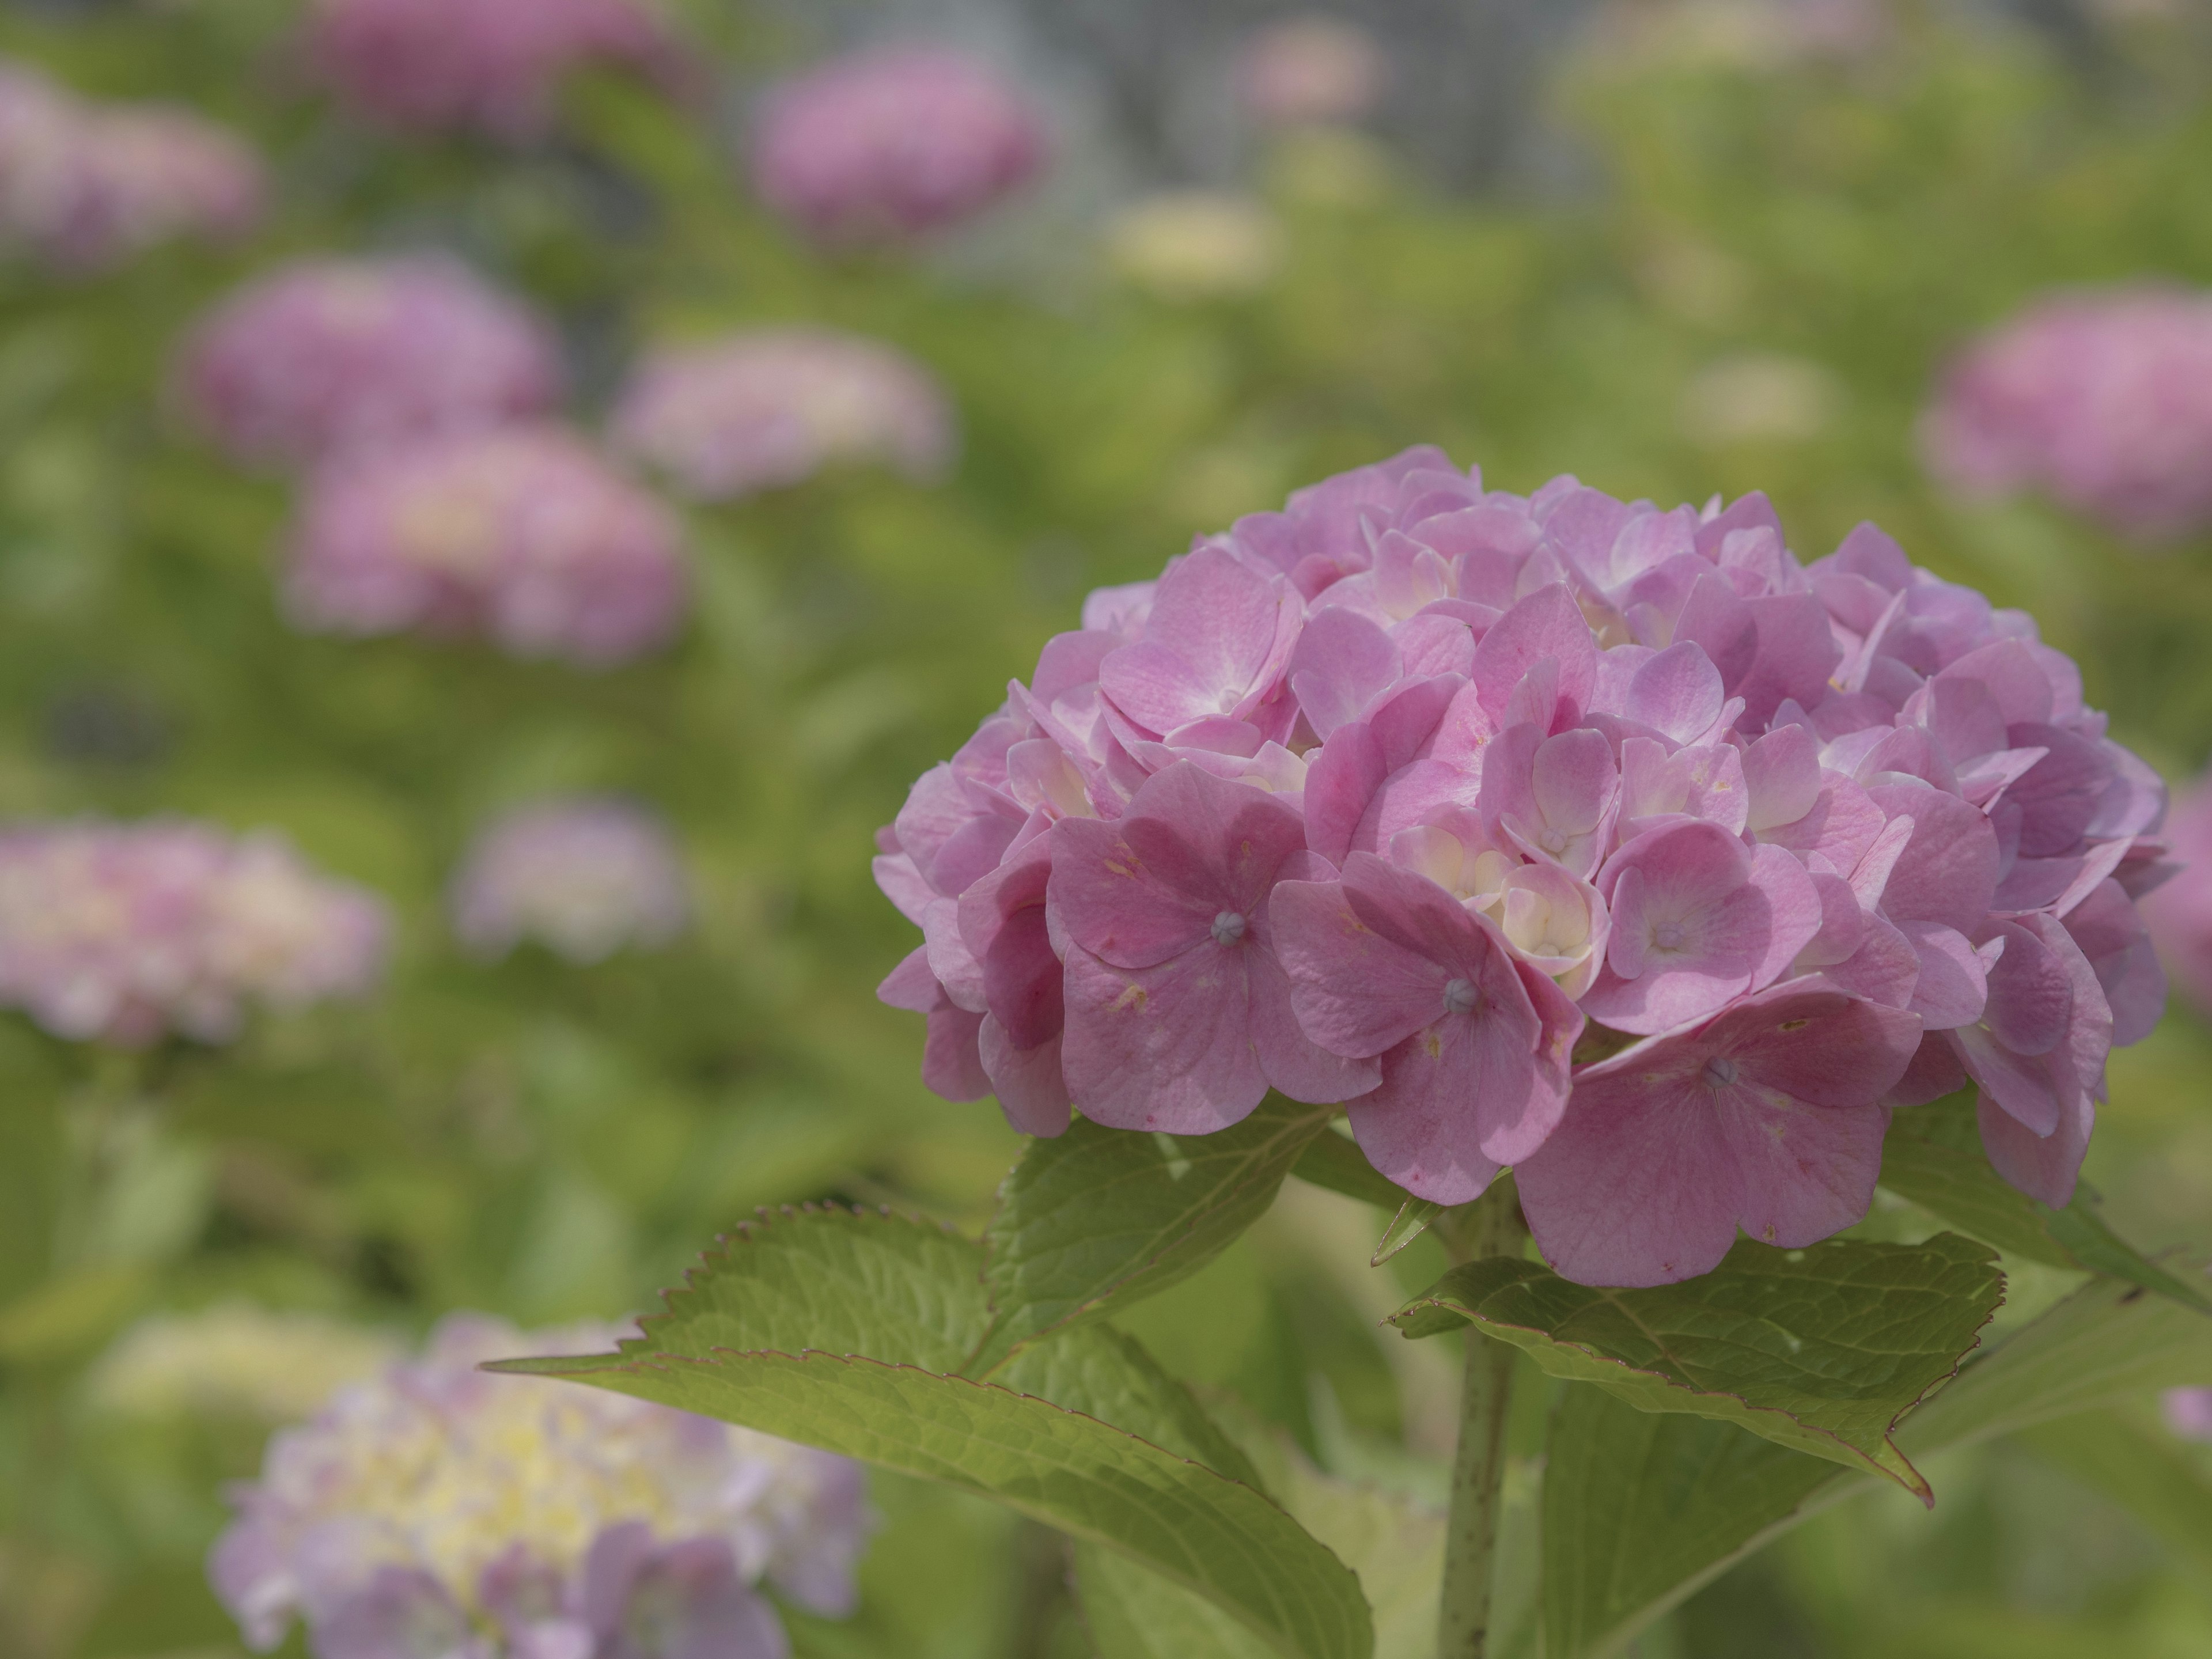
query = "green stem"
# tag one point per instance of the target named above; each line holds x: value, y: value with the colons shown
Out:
x: 1491, y: 1225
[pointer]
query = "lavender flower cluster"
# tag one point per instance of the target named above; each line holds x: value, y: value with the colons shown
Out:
x: 436, y: 1509
x: 84, y: 185
x: 1608, y: 844
x: 2100, y: 399
x: 585, y: 878
x: 126, y: 932
x: 492, y: 66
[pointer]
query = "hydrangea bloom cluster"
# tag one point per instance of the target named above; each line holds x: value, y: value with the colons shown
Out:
x: 125, y: 932
x: 439, y: 1510
x: 329, y: 354
x: 1608, y: 844
x: 1310, y: 71
x: 584, y: 878
x: 84, y: 186
x: 235, y: 1360
x: 494, y: 66
x: 2101, y: 399
x: 771, y: 407
x: 2180, y: 912
x: 521, y: 534
x: 890, y: 145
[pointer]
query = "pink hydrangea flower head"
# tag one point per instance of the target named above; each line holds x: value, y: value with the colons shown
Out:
x: 585, y: 878
x: 2101, y: 400
x: 522, y: 535
x: 438, y: 1509
x: 2189, y: 1412
x: 771, y: 408
x: 2179, y: 909
x: 125, y: 933
x: 494, y: 66
x: 1310, y: 71
x: 893, y: 144
x: 331, y: 354
x: 1405, y: 796
x: 84, y: 185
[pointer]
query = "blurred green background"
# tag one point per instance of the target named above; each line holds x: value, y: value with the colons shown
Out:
x: 1740, y: 272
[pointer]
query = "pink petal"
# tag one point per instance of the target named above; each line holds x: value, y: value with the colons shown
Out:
x: 1166, y: 1047
x: 950, y: 1065
x: 1952, y: 988
x: 1947, y: 871
x: 1031, y: 1092
x: 1547, y: 623
x: 1355, y: 992
x: 1295, y: 1064
x: 1677, y: 692
x: 1341, y: 663
x: 1807, y: 1172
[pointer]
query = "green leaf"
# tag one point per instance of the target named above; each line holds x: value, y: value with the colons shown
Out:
x: 841, y: 1330
x: 2137, y: 1470
x: 1202, y: 1530
x: 1133, y: 1613
x: 1641, y: 1510
x: 1822, y: 1350
x: 1335, y: 1162
x: 1395, y: 1546
x: 1415, y: 1217
x: 1099, y: 1218
x: 1933, y: 1156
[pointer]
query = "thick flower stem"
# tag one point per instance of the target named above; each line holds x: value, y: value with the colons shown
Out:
x: 1489, y: 1226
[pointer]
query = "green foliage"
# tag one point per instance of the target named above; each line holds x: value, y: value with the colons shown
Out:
x: 1823, y: 1350
x: 1640, y: 1508
x: 1933, y: 1156
x: 1099, y: 1218
x: 1106, y: 1457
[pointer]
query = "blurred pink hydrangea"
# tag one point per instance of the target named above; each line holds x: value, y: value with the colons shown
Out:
x: 893, y: 144
x: 1609, y: 844
x: 330, y: 353
x: 84, y: 185
x: 758, y: 410
x: 2189, y: 1412
x: 491, y: 65
x: 2180, y: 911
x: 124, y: 933
x: 438, y: 1510
x: 522, y: 535
x: 585, y: 878
x: 1310, y: 71
x: 2100, y: 399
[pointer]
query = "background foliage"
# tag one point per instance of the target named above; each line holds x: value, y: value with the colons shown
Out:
x: 545, y: 1142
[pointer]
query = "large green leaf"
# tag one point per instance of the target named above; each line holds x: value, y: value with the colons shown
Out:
x: 1335, y: 1161
x: 1934, y: 1158
x: 1821, y: 1350
x: 1395, y: 1546
x: 1099, y: 1218
x: 841, y: 1330
x: 1641, y: 1510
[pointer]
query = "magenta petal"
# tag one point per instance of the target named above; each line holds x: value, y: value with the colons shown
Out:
x: 1953, y: 987
x: 1354, y: 991
x: 1105, y: 898
x: 1548, y: 624
x: 1807, y: 1172
x: 1164, y: 1048
x: 1031, y: 1090
x: 2044, y: 1166
x: 1294, y: 1063
x: 1636, y: 1186
x: 1947, y: 871
x: 951, y: 1065
x: 1341, y: 663
x: 1677, y: 692
x: 912, y: 986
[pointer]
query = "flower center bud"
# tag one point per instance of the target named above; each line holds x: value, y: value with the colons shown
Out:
x: 1553, y: 841
x: 1719, y: 1074
x: 1668, y: 936
x: 1460, y: 997
x: 1228, y: 928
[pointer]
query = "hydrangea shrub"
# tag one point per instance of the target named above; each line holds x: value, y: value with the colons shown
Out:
x: 584, y: 878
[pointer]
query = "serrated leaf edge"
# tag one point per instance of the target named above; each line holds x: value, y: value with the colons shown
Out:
x: 1917, y: 1484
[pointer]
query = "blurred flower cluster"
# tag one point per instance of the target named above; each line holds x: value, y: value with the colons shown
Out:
x: 437, y: 1509
x: 583, y: 878
x: 86, y: 184
x: 128, y: 931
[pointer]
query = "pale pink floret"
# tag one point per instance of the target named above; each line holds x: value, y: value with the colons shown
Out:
x: 771, y: 408
x: 2100, y: 399
x: 1310, y: 71
x: 125, y: 933
x: 492, y: 65
x: 885, y: 146
x: 521, y: 535
x: 1473, y: 1044
x: 84, y: 185
x: 584, y: 877
x: 1579, y: 760
x: 1766, y: 1117
x: 1178, y: 1011
x: 333, y: 354
x: 2189, y: 1412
